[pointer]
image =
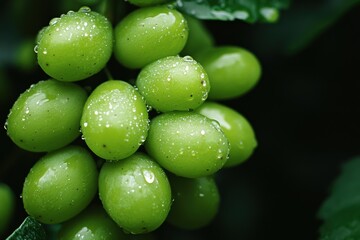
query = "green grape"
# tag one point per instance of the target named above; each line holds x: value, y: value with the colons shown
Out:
x: 91, y: 224
x: 236, y: 128
x: 135, y: 192
x: 75, y: 46
x: 7, y: 206
x: 173, y: 83
x: 187, y: 144
x: 115, y: 120
x: 148, y: 34
x: 199, y: 38
x: 60, y: 185
x: 145, y: 3
x: 232, y: 71
x: 196, y: 201
x: 46, y: 116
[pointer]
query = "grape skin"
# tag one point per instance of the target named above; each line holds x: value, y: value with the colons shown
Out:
x: 233, y: 71
x: 237, y: 129
x: 33, y: 121
x: 187, y: 144
x: 174, y: 83
x: 75, y: 46
x: 150, y: 32
x: 115, y: 120
x: 196, y: 201
x: 60, y: 185
x: 135, y: 192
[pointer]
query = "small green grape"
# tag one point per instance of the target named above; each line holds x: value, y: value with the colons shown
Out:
x: 145, y: 3
x: 115, y: 120
x: 33, y: 122
x: 187, y: 144
x: 173, y: 83
x: 148, y: 34
x: 75, y: 46
x: 135, y: 192
x: 199, y: 39
x: 7, y: 206
x: 60, y: 185
x: 232, y: 71
x: 196, y: 201
x: 236, y: 128
x: 91, y: 224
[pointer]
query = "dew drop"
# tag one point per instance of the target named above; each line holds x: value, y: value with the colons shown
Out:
x: 148, y: 176
x: 85, y: 124
x: 71, y: 12
x: 202, y: 132
x: 188, y: 59
x: 54, y: 21
x: 5, y: 125
x: 85, y: 9
x: 36, y: 48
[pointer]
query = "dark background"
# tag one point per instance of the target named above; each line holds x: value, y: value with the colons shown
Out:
x: 305, y: 112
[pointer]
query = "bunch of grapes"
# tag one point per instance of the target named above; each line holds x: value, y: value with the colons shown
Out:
x: 126, y: 155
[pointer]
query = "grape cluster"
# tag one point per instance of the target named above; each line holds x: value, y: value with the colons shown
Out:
x: 127, y: 155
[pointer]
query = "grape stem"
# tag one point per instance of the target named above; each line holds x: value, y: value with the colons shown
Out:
x: 108, y: 74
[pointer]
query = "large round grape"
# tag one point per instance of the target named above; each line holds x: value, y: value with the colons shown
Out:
x: 115, y: 120
x: 91, y: 224
x: 148, y: 34
x: 196, y: 201
x: 60, y: 185
x: 233, y: 71
x: 135, y: 192
x: 46, y: 116
x: 187, y: 144
x: 173, y: 83
x: 75, y: 46
x: 7, y: 206
x: 237, y: 129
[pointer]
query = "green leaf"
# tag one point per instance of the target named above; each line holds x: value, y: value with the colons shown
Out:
x: 340, y: 212
x: 30, y: 229
x: 301, y: 25
x: 228, y: 10
x: 345, y: 191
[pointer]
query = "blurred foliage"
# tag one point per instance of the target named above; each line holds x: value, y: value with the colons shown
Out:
x: 246, y: 10
x: 30, y: 229
x: 340, y: 212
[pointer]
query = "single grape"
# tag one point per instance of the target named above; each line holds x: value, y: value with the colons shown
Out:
x: 148, y: 34
x: 196, y: 201
x: 7, y: 206
x: 91, y: 224
x: 60, y: 185
x: 115, y: 120
x: 146, y: 3
x: 199, y: 39
x: 187, y: 144
x: 135, y: 192
x: 46, y: 116
x: 232, y: 71
x: 236, y: 128
x: 75, y: 46
x: 173, y: 83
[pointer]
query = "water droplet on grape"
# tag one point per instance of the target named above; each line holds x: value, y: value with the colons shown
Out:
x: 71, y: 12
x: 5, y: 125
x: 202, y: 132
x: 36, y: 48
x: 188, y: 59
x: 54, y: 21
x: 85, y: 9
x: 148, y: 176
